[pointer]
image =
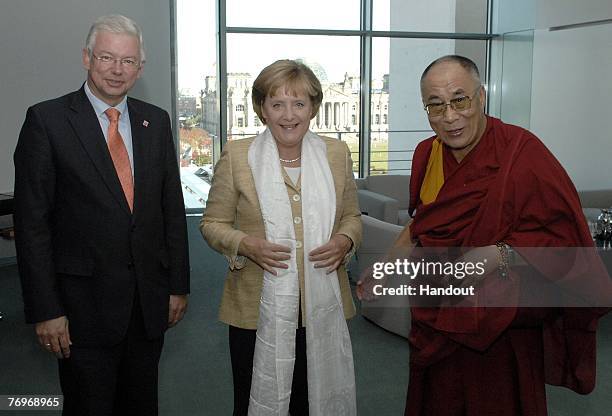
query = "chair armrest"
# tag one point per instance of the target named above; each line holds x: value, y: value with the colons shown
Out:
x: 591, y: 214
x: 596, y: 199
x: 360, y: 183
x: 378, y: 205
x: 391, y: 312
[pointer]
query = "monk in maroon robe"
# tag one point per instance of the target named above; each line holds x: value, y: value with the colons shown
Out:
x: 482, y: 183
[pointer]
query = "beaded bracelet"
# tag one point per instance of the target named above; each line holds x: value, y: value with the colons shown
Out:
x: 502, y: 267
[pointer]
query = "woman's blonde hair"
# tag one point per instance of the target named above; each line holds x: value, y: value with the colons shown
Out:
x: 294, y: 76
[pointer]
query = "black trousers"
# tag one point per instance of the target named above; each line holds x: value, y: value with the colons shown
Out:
x: 113, y: 381
x: 242, y: 349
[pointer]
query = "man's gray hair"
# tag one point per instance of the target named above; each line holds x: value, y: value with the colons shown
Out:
x: 115, y: 23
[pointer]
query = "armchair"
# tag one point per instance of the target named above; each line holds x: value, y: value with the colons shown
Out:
x: 385, y: 197
x: 390, y: 314
x: 593, y: 201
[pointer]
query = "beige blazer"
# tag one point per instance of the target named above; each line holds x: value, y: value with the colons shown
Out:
x: 233, y: 212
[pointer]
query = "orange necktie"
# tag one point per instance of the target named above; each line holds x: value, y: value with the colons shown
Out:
x: 120, y: 157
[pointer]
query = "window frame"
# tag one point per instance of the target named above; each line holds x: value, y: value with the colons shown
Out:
x: 365, y: 33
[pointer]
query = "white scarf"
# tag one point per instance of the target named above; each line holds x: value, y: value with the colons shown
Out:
x: 331, y: 378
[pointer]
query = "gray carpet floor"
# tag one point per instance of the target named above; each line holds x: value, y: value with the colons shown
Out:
x: 195, y: 373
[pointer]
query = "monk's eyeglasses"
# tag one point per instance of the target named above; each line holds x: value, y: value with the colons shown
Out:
x: 462, y: 103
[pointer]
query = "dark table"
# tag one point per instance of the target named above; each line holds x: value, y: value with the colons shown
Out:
x: 7, y: 207
x: 7, y: 204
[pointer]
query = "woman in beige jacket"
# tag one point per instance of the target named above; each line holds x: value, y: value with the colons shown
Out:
x: 283, y: 210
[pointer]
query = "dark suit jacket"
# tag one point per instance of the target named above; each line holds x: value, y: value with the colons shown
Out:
x: 80, y: 251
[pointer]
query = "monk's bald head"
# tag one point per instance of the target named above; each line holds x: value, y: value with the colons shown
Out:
x: 462, y: 61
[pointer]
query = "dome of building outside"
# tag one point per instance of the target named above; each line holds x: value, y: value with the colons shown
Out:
x: 316, y: 68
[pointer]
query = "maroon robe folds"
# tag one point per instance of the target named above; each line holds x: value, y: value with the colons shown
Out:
x: 495, y: 361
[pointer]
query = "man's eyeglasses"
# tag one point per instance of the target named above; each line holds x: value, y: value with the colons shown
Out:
x: 462, y: 103
x: 130, y: 63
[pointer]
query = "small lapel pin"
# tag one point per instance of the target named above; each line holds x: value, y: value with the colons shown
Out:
x: 145, y: 123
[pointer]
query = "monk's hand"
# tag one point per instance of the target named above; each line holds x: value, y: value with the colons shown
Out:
x: 54, y: 336
x: 366, y: 283
x: 177, y: 309
x: 331, y: 255
x: 269, y: 256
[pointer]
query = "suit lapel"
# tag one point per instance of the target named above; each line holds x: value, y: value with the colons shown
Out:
x: 140, y: 128
x: 87, y: 128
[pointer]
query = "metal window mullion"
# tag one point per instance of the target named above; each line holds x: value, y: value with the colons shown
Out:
x: 366, y: 87
x: 292, y: 31
x: 580, y: 25
x: 174, y: 78
x: 221, y: 80
x: 488, y: 55
x: 431, y: 35
x: 362, y: 32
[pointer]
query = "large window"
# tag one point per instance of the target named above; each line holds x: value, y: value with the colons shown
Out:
x: 311, y: 14
x: 368, y: 55
x: 198, y: 124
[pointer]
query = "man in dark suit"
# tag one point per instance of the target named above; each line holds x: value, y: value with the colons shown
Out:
x: 101, y: 230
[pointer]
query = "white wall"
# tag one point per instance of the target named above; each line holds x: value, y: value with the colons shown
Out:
x: 552, y: 13
x: 407, y: 60
x: 570, y: 101
x: 557, y: 83
x: 511, y: 61
x: 513, y: 16
x: 41, y: 57
x: 471, y: 17
x: 571, y: 89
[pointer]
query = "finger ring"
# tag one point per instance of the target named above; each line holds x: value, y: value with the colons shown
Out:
x: 47, y: 345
